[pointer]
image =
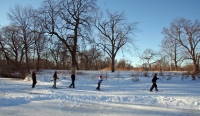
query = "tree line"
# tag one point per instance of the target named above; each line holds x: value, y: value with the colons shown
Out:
x: 78, y: 35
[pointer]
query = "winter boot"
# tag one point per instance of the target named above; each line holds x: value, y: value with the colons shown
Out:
x: 156, y: 89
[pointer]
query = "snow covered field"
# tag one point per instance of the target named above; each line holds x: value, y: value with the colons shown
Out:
x: 119, y: 95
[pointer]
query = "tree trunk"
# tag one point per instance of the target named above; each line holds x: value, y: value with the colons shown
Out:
x: 38, y: 61
x: 195, y: 65
x: 73, y: 68
x: 113, y: 64
x: 198, y: 64
x: 27, y: 60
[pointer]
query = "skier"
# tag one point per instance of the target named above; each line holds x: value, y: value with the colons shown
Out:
x: 55, y: 77
x: 154, y: 83
x: 34, y: 79
x: 73, y: 79
x: 99, y: 82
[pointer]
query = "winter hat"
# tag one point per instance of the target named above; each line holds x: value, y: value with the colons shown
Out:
x: 100, y: 77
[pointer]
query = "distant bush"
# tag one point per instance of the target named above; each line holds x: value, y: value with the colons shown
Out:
x: 169, y: 77
x: 188, y: 74
x: 106, y: 75
x: 198, y: 76
x: 135, y: 79
x: 134, y: 75
x: 146, y: 74
x: 161, y: 74
x: 193, y: 77
x: 118, y: 75
x: 80, y: 73
x: 13, y: 72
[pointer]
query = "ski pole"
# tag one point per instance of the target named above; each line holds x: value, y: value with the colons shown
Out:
x: 146, y: 86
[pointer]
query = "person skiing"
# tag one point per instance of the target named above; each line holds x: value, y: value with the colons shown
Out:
x: 154, y: 82
x: 34, y: 79
x: 55, y: 77
x: 99, y: 82
x: 73, y: 79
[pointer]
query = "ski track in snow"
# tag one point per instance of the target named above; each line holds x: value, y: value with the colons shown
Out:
x: 119, y: 96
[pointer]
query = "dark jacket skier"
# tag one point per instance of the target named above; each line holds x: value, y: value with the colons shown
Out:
x: 154, y: 82
x: 34, y: 79
x: 73, y: 79
x: 55, y: 77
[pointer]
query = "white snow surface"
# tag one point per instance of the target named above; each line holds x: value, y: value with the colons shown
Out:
x: 178, y: 95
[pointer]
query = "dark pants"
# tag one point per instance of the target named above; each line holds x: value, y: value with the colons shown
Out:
x: 154, y: 85
x: 54, y: 83
x: 72, y: 84
x: 98, y: 87
x: 34, y: 82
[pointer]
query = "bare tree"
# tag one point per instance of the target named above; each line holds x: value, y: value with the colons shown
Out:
x: 59, y: 54
x: 21, y: 17
x: 114, y: 34
x: 69, y: 21
x: 13, y: 48
x: 187, y: 34
x: 173, y: 50
x: 148, y: 56
x: 40, y: 40
x: 121, y: 64
x: 91, y: 59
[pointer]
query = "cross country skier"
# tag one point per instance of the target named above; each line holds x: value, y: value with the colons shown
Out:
x: 73, y: 79
x: 55, y: 77
x: 34, y: 79
x: 154, y: 83
x: 99, y: 82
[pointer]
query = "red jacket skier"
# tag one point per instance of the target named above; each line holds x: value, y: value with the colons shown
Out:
x: 99, y: 82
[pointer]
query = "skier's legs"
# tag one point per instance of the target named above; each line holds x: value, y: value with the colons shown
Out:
x: 34, y: 82
x: 33, y: 86
x: 73, y: 84
x: 153, y: 85
x: 70, y: 85
x: 156, y: 87
x: 54, y: 85
x: 98, y: 87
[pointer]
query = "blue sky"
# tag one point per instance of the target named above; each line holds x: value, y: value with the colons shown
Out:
x: 152, y: 16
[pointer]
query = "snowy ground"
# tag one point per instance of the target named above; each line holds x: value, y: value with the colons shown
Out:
x: 120, y: 95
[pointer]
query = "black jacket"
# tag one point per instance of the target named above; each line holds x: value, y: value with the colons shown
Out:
x: 73, y: 77
x: 154, y: 79
x: 55, y: 76
x: 33, y: 76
